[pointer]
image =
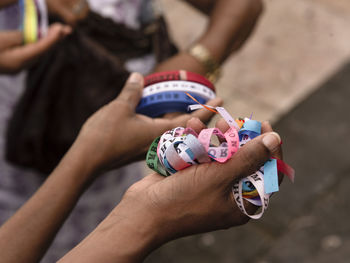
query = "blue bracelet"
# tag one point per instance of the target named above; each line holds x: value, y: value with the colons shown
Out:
x: 166, y: 102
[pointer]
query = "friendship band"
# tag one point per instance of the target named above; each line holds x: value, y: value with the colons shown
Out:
x: 180, y: 148
x: 177, y: 75
x: 166, y: 102
x: 179, y: 85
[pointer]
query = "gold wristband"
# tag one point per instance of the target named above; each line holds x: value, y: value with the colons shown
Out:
x: 203, y: 55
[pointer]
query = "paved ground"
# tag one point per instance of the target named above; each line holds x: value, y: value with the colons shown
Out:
x: 295, y: 71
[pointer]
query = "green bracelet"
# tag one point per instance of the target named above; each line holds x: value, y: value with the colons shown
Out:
x: 152, y: 160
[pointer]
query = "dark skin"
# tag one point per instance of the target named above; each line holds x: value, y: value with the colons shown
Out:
x: 33, y: 227
x: 195, y: 200
x: 156, y: 209
x: 15, y: 56
x: 231, y: 21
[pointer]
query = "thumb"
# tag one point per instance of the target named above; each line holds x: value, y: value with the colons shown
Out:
x: 249, y: 158
x: 132, y: 91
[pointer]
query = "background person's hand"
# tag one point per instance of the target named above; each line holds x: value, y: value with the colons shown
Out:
x: 158, y: 209
x: 14, y: 56
x: 116, y: 135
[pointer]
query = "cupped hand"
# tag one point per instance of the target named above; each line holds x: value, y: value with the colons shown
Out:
x: 14, y: 56
x: 115, y: 135
x: 199, y: 198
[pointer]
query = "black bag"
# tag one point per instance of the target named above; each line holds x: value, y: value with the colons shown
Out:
x: 73, y: 80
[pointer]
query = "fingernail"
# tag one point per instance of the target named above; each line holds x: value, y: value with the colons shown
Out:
x: 272, y: 141
x: 135, y: 78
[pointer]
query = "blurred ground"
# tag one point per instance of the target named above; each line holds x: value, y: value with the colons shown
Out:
x: 295, y: 72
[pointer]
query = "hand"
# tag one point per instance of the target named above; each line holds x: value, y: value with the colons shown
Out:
x: 158, y: 209
x: 71, y: 11
x: 14, y: 56
x: 116, y: 135
x: 199, y: 198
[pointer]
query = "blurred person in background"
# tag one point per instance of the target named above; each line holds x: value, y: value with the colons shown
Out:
x: 66, y: 66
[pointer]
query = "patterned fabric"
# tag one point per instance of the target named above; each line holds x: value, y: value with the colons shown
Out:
x: 17, y: 185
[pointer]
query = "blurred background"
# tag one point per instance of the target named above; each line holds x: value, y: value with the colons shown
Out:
x: 295, y: 72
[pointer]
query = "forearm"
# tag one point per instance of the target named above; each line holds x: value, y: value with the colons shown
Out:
x: 231, y: 22
x: 26, y: 236
x: 127, y: 235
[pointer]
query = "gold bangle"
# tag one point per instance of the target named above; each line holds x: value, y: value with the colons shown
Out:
x: 203, y: 55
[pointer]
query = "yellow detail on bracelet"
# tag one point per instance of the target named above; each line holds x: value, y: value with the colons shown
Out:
x: 203, y: 55
x: 30, y: 22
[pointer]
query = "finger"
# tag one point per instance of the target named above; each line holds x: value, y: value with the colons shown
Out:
x: 152, y: 179
x: 195, y: 124
x: 222, y: 125
x: 203, y: 115
x: 266, y: 127
x: 249, y: 158
x: 172, y: 115
x: 214, y: 102
x: 132, y: 91
x: 10, y: 39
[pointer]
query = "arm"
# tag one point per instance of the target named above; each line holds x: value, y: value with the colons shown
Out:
x: 14, y: 56
x: 156, y: 209
x: 231, y: 23
x: 31, y: 230
x: 109, y: 136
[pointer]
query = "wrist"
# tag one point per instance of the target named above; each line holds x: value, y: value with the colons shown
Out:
x: 79, y: 163
x: 128, y: 234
